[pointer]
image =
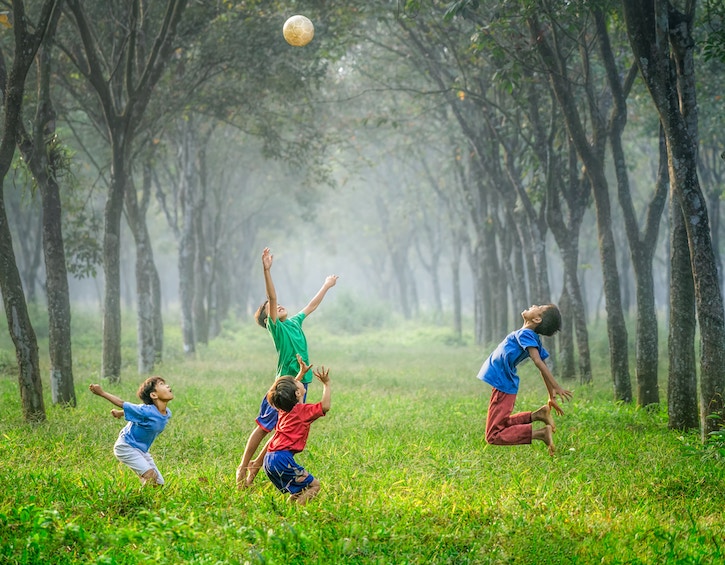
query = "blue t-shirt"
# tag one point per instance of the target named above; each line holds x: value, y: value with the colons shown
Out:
x: 289, y: 340
x: 499, y: 370
x: 145, y: 422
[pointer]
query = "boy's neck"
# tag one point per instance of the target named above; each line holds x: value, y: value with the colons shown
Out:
x: 161, y: 406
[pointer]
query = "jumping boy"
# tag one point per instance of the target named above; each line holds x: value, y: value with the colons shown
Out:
x: 290, y: 437
x: 145, y: 422
x: 499, y: 370
x: 289, y: 341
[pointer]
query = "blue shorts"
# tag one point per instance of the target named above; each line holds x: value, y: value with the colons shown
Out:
x: 285, y: 473
x: 267, y: 417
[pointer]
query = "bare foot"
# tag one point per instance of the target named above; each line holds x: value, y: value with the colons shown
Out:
x: 252, y: 470
x: 543, y: 414
x: 548, y: 438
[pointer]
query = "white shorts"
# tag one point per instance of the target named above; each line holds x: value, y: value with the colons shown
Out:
x: 139, y: 461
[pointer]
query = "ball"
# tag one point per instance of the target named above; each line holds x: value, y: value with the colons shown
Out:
x: 298, y: 31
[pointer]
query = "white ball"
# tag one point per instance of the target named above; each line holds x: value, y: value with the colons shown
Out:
x: 298, y: 31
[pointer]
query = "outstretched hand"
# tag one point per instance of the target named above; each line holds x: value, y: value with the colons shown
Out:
x: 267, y: 258
x: 561, y: 393
x: 96, y: 389
x: 304, y: 367
x: 331, y: 280
x: 323, y: 374
x: 555, y: 407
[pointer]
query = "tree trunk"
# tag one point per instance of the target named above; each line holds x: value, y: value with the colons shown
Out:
x: 21, y: 330
x: 158, y: 321
x: 201, y: 275
x: 682, y: 376
x: 566, y: 369
x: 145, y: 270
x: 187, y: 248
x: 456, y: 288
x: 111, y: 363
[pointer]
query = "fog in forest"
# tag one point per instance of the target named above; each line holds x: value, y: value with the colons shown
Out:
x: 411, y: 153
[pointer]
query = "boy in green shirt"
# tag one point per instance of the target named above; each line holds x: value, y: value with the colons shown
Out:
x: 289, y: 341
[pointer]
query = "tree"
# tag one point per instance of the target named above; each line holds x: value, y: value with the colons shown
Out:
x: 124, y: 86
x: 592, y: 157
x: 12, y: 84
x: 44, y: 156
x: 642, y: 243
x: 661, y: 39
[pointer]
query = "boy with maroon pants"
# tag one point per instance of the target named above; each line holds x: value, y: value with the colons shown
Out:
x: 499, y: 370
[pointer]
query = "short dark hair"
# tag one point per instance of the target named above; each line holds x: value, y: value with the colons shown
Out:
x: 550, y: 321
x: 283, y: 394
x: 147, y: 387
x: 261, y: 314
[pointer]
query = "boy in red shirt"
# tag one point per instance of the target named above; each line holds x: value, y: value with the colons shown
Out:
x: 290, y: 434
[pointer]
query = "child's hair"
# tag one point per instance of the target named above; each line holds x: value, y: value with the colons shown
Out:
x: 261, y: 314
x: 147, y: 387
x: 283, y: 394
x: 550, y: 321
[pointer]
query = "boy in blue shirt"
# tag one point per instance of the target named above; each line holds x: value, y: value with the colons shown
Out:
x: 145, y: 422
x: 499, y: 370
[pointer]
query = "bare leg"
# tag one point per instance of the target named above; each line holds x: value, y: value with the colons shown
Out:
x: 255, y: 465
x: 255, y: 438
x: 302, y: 497
x: 546, y: 435
x: 543, y: 414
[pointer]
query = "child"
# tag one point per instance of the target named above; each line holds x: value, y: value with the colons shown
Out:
x: 289, y: 341
x: 293, y: 426
x: 145, y: 422
x: 499, y: 370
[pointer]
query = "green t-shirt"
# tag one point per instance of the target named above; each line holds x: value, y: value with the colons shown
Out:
x: 289, y: 340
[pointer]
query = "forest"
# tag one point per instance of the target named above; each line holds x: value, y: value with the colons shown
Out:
x: 451, y: 161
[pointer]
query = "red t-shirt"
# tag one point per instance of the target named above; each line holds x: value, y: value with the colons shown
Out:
x: 292, y: 428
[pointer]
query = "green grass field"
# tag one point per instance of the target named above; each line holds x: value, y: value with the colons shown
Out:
x: 406, y: 474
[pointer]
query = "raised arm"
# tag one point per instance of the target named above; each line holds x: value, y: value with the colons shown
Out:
x: 268, y: 284
x: 112, y: 398
x: 324, y: 376
x: 551, y: 385
x: 317, y: 299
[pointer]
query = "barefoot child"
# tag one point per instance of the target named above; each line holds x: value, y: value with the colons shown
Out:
x: 145, y: 422
x: 499, y: 370
x: 289, y: 341
x: 290, y: 437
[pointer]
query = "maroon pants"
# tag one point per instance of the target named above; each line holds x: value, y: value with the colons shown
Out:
x: 504, y: 428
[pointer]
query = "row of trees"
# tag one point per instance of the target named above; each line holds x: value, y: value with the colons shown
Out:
x: 504, y: 125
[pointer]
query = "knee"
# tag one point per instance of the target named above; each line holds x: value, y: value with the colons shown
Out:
x: 308, y: 493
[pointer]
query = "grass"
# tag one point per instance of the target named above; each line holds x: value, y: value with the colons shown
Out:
x: 406, y: 475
